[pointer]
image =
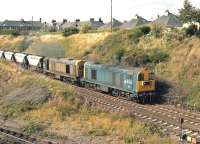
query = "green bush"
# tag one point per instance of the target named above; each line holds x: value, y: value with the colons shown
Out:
x: 118, y: 56
x: 157, y: 56
x: 135, y: 35
x: 137, y: 58
x: 9, y: 32
x: 25, y: 44
x: 141, y: 57
x: 86, y: 28
x: 87, y: 52
x: 145, y: 30
x: 15, y: 33
x: 191, y: 30
x: 70, y: 31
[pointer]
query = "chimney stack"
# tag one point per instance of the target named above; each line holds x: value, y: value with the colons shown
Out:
x: 77, y: 20
x: 64, y: 21
x: 53, y: 21
x: 138, y: 17
x: 100, y: 20
x: 41, y: 20
x: 168, y: 12
x: 91, y: 19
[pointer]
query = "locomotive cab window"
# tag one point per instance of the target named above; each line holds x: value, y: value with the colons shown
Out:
x: 67, y: 69
x: 151, y: 76
x: 129, y: 77
x: 141, y: 77
x: 81, y: 67
x: 94, y: 74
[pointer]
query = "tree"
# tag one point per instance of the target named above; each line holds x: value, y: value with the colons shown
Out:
x: 70, y: 31
x: 189, y: 13
x: 191, y: 30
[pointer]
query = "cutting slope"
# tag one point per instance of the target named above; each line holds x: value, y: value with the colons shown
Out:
x: 59, y: 46
x: 173, y: 56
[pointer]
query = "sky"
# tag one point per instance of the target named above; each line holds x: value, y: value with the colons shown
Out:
x: 85, y: 9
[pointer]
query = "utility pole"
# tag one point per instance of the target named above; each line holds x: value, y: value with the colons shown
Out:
x: 32, y: 23
x: 111, y: 17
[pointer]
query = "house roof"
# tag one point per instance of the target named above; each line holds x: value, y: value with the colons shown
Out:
x: 170, y: 20
x: 69, y: 24
x: 11, y: 23
x: 134, y: 23
x: 116, y: 24
x: 94, y: 24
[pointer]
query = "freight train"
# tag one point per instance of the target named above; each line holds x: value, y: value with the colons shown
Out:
x: 128, y: 82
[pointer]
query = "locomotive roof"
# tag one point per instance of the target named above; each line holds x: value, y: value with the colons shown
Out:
x: 116, y: 68
x: 64, y: 60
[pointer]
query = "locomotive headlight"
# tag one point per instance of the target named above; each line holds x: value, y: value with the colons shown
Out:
x: 146, y: 83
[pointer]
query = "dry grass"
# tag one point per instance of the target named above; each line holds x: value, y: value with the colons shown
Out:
x: 10, y: 43
x: 58, y: 46
x: 63, y: 115
x: 79, y: 44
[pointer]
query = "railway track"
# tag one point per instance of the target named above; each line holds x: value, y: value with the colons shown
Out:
x: 165, y: 116
x: 23, y: 138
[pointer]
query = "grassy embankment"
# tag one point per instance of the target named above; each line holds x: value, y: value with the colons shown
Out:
x: 60, y: 114
x: 173, y: 56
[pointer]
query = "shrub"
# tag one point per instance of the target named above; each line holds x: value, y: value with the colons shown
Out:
x: 137, y: 58
x: 135, y: 35
x: 9, y: 32
x: 86, y: 28
x: 157, y: 30
x: 25, y: 44
x: 157, y: 56
x: 87, y: 52
x: 70, y: 31
x: 191, y: 30
x: 145, y: 30
x: 141, y: 57
x: 118, y: 56
x: 15, y: 33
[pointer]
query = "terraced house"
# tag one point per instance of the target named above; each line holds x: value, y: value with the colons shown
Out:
x: 169, y: 21
x: 21, y: 25
x: 95, y: 24
x: 138, y: 21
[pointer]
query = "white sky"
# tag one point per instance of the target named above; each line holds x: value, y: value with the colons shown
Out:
x: 85, y: 9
